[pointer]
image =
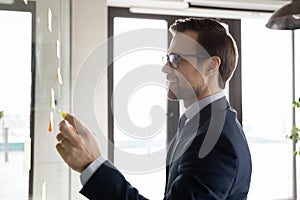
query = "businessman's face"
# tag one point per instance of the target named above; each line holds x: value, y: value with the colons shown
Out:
x: 183, y: 68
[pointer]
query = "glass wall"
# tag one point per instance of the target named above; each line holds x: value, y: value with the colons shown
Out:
x: 50, y: 175
x: 35, y: 86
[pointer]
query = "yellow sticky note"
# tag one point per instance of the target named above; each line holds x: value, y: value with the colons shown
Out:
x: 63, y: 114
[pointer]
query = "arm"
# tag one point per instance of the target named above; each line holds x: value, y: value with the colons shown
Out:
x: 78, y: 148
x: 108, y: 183
x: 91, y: 169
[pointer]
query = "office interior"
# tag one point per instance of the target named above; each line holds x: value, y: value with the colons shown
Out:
x: 79, y: 57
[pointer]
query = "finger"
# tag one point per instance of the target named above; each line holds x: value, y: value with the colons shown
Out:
x: 68, y: 132
x: 65, y: 122
x: 60, y: 150
x: 79, y: 127
x: 73, y: 121
x: 59, y: 136
x: 66, y: 144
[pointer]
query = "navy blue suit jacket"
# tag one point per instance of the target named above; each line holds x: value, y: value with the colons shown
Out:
x: 209, y: 160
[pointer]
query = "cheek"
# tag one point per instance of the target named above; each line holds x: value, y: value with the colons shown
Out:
x: 192, y: 79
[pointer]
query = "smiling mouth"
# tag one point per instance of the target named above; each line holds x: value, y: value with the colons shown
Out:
x: 172, y: 81
x: 172, y: 84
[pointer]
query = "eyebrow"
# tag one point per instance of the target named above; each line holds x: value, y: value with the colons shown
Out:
x: 198, y: 55
x: 178, y: 53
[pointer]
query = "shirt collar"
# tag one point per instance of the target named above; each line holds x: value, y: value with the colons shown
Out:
x: 197, y: 106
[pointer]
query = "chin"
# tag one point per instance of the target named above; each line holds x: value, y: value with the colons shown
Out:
x: 172, y: 96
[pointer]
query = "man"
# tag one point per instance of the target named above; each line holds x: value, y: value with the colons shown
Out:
x: 209, y: 158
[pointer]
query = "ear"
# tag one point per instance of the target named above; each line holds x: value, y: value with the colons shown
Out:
x: 213, y: 65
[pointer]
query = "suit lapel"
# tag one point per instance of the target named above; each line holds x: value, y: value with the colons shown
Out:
x: 200, y: 121
x: 170, y: 148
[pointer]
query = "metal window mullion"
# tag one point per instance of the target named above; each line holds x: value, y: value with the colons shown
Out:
x: 294, y: 170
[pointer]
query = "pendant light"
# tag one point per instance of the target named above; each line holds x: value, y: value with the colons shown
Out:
x: 286, y: 18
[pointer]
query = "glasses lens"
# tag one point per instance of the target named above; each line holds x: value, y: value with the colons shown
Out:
x: 173, y: 60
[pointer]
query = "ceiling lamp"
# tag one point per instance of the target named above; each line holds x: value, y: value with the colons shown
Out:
x: 286, y: 18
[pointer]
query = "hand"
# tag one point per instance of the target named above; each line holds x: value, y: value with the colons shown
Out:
x: 77, y: 144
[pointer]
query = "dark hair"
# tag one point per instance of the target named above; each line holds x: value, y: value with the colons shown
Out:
x: 214, y: 38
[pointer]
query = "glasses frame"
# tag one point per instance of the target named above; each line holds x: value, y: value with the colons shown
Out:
x: 179, y: 55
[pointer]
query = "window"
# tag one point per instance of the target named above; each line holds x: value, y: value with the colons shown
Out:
x: 267, y: 99
x: 139, y: 128
x: 15, y: 102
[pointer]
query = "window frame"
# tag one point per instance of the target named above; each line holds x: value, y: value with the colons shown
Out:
x: 19, y: 5
x: 172, y: 106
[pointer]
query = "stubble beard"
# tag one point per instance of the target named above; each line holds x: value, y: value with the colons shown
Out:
x: 172, y: 96
x: 191, y: 97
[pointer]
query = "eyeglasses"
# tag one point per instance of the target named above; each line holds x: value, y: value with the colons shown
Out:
x: 173, y: 59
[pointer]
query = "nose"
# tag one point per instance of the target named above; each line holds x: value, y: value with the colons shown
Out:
x: 166, y: 68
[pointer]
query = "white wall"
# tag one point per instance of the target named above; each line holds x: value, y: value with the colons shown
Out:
x: 89, y: 34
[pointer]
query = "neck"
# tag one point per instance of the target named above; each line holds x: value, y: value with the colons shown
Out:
x: 204, y: 94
